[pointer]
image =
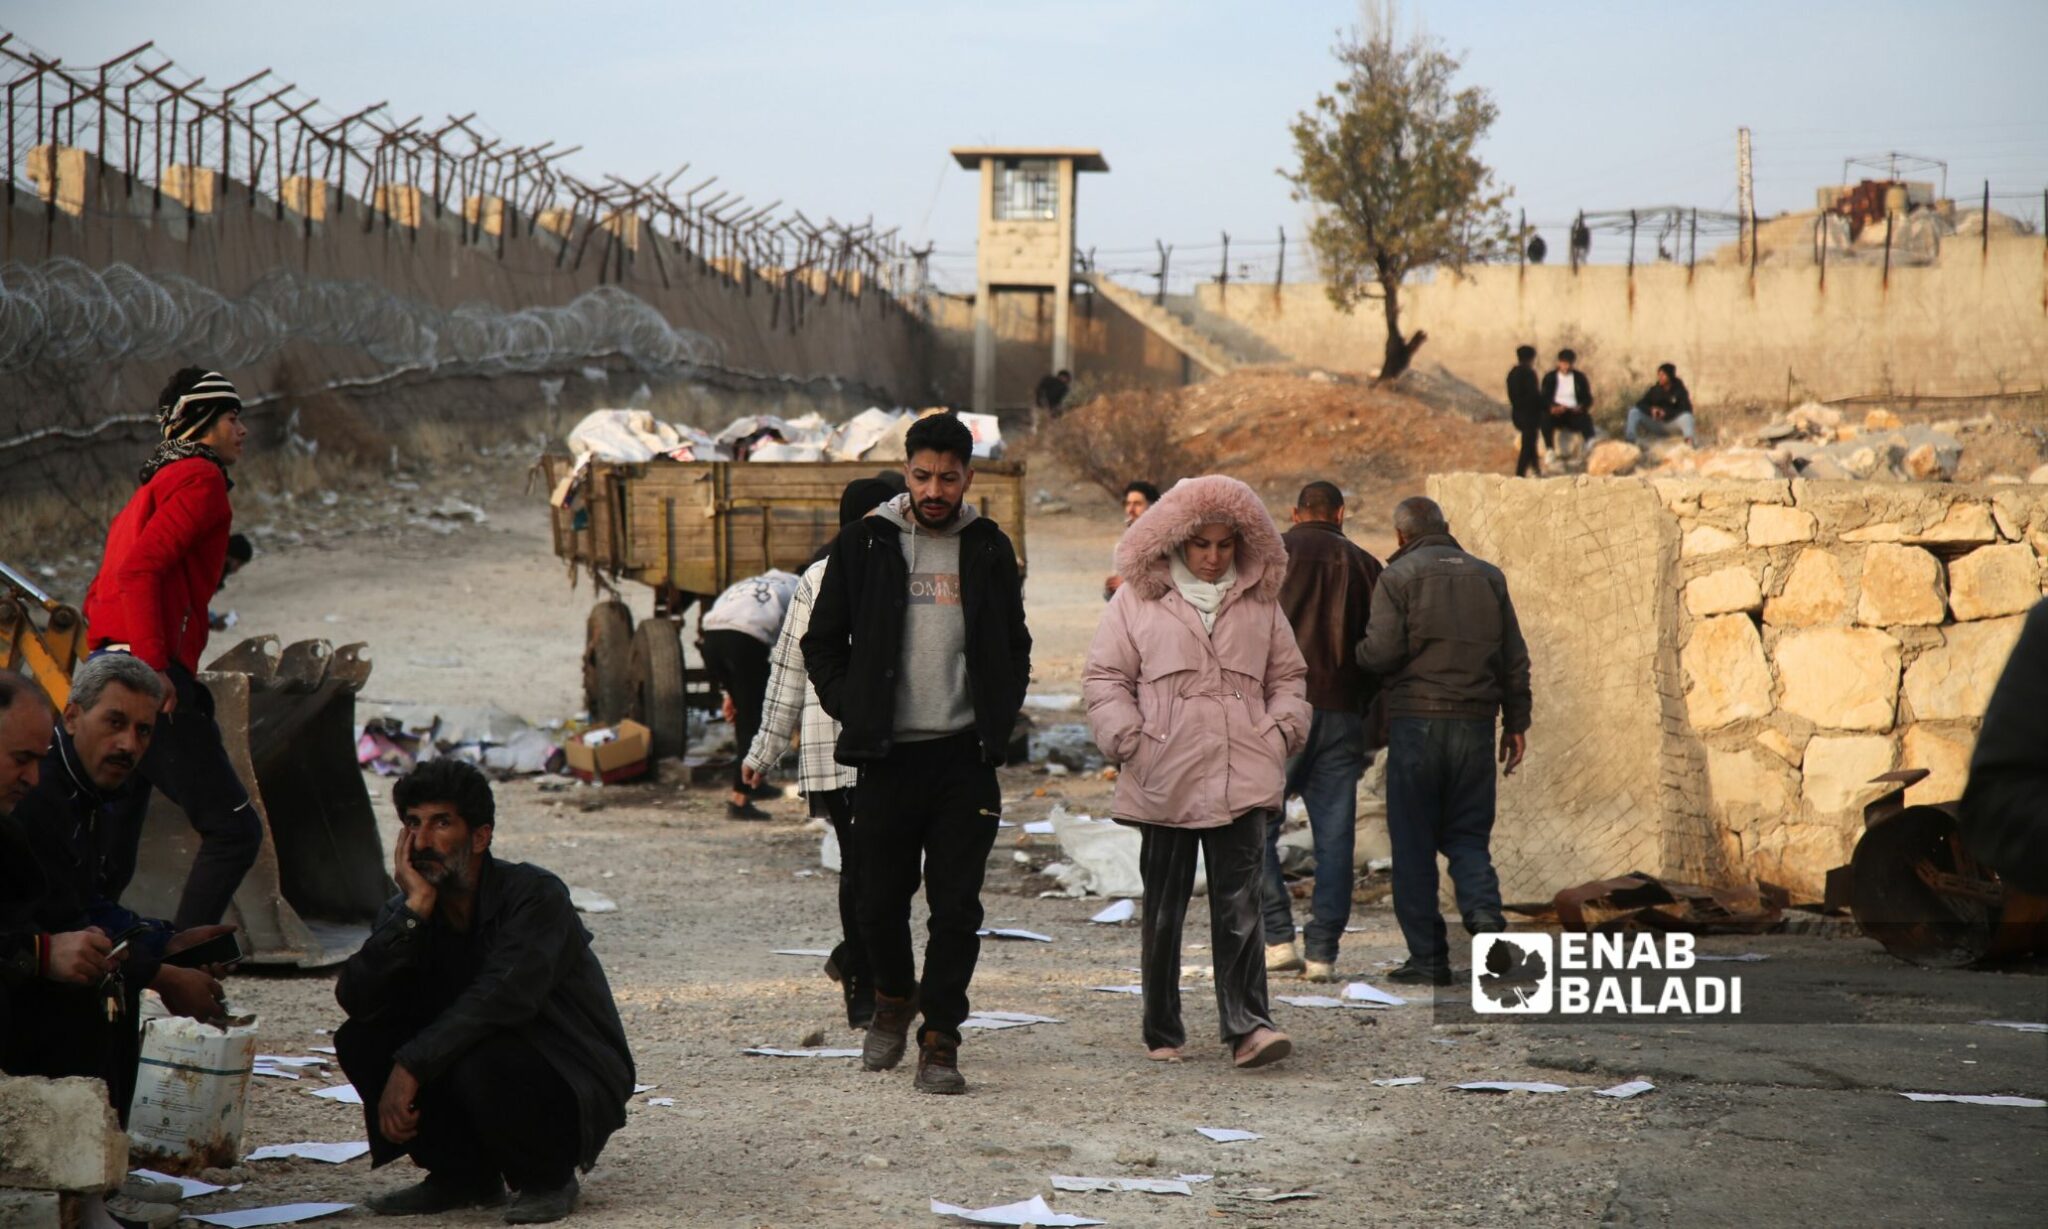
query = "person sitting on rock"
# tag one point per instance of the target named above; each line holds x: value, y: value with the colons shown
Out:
x: 481, y: 1032
x: 1664, y: 408
x: 1569, y: 395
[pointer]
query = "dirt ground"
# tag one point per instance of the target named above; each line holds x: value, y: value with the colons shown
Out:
x: 1783, y: 1124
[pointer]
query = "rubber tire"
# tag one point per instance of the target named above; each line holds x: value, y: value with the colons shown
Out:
x: 608, y: 662
x: 658, y: 685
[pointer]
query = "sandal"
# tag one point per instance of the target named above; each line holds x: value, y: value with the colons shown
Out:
x: 1264, y: 1047
x: 1166, y: 1054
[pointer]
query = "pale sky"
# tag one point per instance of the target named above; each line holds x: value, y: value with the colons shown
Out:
x: 847, y: 109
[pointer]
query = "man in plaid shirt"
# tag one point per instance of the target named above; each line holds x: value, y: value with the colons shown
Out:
x: 792, y: 704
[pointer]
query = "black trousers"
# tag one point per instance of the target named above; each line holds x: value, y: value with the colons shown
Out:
x: 56, y: 1030
x: 937, y: 800
x: 189, y: 764
x: 740, y: 663
x: 851, y: 952
x: 500, y: 1112
x: 1574, y: 420
x: 1530, y: 425
x: 1234, y: 857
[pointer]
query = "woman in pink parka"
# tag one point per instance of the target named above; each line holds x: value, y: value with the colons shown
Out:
x: 1195, y: 687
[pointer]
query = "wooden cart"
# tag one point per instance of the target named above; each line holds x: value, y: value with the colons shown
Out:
x: 688, y: 529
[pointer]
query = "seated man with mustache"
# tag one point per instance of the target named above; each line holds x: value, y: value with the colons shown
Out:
x: 82, y: 837
x: 481, y: 1031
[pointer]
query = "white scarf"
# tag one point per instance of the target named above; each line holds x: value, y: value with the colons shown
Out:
x: 1204, y: 596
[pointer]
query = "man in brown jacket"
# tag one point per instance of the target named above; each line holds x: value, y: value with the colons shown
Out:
x: 1326, y: 598
x: 1450, y: 656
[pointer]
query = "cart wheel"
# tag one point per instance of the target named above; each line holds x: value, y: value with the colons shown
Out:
x: 658, y: 685
x: 608, y: 662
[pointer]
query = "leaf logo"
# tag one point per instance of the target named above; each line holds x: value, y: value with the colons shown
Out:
x: 1511, y: 974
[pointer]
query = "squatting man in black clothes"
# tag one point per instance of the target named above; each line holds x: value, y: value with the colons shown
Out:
x: 481, y: 1031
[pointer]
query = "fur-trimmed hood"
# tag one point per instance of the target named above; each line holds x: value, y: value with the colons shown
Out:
x: 1142, y: 556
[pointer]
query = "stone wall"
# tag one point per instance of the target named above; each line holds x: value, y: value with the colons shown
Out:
x: 1970, y: 324
x: 1720, y: 667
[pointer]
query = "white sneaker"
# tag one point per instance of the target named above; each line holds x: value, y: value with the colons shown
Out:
x: 1320, y: 970
x: 1282, y: 958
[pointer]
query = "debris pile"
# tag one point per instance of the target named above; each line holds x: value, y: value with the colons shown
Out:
x: 1813, y: 441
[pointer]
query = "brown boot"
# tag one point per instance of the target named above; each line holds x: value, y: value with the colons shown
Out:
x: 938, y: 1065
x: 888, y: 1032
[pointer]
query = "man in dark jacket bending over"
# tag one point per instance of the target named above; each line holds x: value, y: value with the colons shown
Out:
x: 1444, y: 640
x: 481, y: 1032
x: 917, y: 646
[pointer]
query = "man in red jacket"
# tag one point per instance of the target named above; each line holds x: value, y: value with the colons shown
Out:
x: 162, y: 564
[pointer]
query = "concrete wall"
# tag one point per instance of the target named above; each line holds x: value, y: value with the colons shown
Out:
x: 1962, y: 326
x: 433, y: 288
x: 1108, y: 347
x: 1720, y: 667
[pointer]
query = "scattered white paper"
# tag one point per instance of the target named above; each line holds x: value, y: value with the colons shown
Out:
x: 1744, y: 958
x: 279, y: 1060
x: 282, y: 1214
x: 344, y: 1093
x: 1964, y: 1099
x: 587, y: 900
x: 188, y: 1188
x: 2024, y: 1026
x: 1622, y: 1092
x: 640, y: 1088
x: 1143, y: 1186
x: 321, y: 1049
x: 1032, y: 1211
x: 1038, y: 827
x: 1197, y: 1178
x: 779, y: 1052
x: 664, y: 1101
x: 1008, y: 933
x: 1228, y: 1135
x: 333, y: 1154
x: 275, y: 1073
x: 1397, y: 1081
x: 819, y: 952
x: 1318, y: 1000
x: 1511, y: 1086
x: 1118, y: 911
x: 1006, y: 1019
x: 1366, y: 992
x: 1119, y: 989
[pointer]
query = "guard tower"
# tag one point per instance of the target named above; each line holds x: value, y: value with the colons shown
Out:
x: 1026, y: 241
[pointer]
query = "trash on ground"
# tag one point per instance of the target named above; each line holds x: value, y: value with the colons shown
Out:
x: 1259, y: 1194
x: 624, y: 757
x: 1973, y: 1099
x: 1026, y: 936
x: 2024, y: 1026
x: 1228, y: 1135
x: 1510, y: 1086
x: 818, y: 952
x: 1119, y: 911
x: 321, y: 1049
x: 588, y: 901
x: 1143, y: 1186
x: 1032, y: 1211
x: 1366, y: 992
x: 1196, y: 1178
x: 344, y: 1093
x: 1637, y: 901
x: 285, y: 1060
x: 1397, y: 1081
x: 1038, y: 827
x: 1323, y: 1001
x: 282, y: 1214
x: 191, y: 1091
x: 1622, y: 1092
x: 188, y: 1188
x: 333, y: 1154
x: 662, y: 1101
x: 1006, y: 1019
x: 1100, y: 857
x: 275, y: 1073
x: 814, y: 1052
x: 1119, y: 989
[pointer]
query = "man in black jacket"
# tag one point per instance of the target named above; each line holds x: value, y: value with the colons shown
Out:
x: 1445, y: 642
x: 918, y: 647
x: 1568, y: 400
x: 2005, y: 804
x: 1665, y: 407
x: 481, y: 1032
x: 1528, y: 409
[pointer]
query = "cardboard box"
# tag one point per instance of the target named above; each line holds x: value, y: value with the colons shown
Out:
x: 627, y: 756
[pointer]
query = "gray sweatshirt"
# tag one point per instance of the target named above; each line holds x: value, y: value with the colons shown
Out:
x: 932, y: 697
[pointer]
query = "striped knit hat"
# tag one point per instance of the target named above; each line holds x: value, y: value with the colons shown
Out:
x: 190, y: 406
